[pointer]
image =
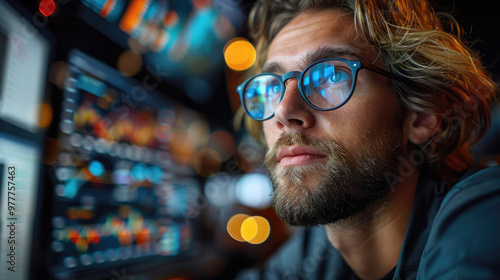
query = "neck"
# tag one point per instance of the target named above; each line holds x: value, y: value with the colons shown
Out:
x: 371, y: 249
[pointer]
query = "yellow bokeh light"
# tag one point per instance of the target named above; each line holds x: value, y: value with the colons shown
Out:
x: 239, y: 54
x: 198, y: 132
x: 207, y: 162
x: 129, y: 62
x: 223, y: 142
x: 58, y: 73
x: 255, y: 229
x: 46, y: 114
x: 234, y: 226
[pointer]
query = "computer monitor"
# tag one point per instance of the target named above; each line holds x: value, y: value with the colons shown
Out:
x: 19, y: 173
x: 120, y: 198
x: 25, y: 51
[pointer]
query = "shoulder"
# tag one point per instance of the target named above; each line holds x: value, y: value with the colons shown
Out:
x: 464, y: 238
x: 303, y: 256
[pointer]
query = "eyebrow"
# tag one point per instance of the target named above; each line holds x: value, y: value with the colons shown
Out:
x: 329, y: 52
x: 273, y: 67
x: 313, y: 56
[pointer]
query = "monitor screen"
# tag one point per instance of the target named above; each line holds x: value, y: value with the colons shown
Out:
x: 24, y: 58
x: 121, y: 197
x: 19, y: 173
x: 25, y: 51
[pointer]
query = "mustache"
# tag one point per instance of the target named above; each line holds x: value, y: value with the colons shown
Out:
x: 329, y: 146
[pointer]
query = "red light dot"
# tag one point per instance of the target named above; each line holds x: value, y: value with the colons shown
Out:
x: 93, y: 236
x: 142, y: 236
x: 47, y: 7
x: 74, y: 236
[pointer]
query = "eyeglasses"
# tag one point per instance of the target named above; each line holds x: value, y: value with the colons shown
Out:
x: 325, y: 85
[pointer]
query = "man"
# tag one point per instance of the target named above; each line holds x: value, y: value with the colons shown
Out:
x: 368, y: 109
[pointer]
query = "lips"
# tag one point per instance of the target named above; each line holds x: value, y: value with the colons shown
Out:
x: 298, y: 155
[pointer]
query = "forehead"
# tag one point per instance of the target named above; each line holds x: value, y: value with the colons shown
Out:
x: 311, y: 31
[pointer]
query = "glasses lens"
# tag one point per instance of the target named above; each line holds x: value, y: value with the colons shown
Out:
x: 261, y: 96
x: 328, y: 84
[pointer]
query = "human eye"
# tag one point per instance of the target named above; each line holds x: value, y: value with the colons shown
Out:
x: 328, y: 83
x: 339, y: 76
x: 327, y: 74
x: 274, y: 88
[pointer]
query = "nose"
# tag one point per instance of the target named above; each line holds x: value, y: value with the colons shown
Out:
x: 293, y: 112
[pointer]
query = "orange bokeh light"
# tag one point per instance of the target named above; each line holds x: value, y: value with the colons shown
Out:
x: 255, y: 230
x: 239, y: 54
x: 129, y: 62
x: 234, y: 226
x: 46, y: 114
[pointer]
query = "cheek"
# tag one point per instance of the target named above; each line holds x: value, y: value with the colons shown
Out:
x: 363, y: 118
x: 376, y: 104
x: 376, y: 116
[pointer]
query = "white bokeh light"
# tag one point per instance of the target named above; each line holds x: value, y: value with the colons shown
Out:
x: 254, y: 190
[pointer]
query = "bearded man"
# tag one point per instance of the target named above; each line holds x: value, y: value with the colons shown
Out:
x: 369, y: 108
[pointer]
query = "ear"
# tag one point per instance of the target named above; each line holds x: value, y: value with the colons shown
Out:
x: 421, y: 126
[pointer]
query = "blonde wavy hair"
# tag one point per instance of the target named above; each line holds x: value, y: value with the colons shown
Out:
x: 440, y: 74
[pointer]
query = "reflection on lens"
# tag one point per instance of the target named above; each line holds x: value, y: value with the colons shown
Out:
x: 328, y: 84
x: 262, y: 95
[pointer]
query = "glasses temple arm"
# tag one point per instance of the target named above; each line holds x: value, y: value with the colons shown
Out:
x: 381, y: 71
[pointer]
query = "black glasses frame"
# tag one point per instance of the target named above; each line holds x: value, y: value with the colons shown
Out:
x: 355, y: 65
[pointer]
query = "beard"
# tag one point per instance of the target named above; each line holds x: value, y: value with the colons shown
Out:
x: 349, y: 187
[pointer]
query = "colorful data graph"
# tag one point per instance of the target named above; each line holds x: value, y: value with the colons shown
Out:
x: 138, y: 128
x: 125, y: 230
x: 133, y: 229
x: 92, y: 172
x: 118, y: 195
x: 95, y: 172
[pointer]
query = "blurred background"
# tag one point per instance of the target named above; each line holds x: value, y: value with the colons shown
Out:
x: 120, y: 153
